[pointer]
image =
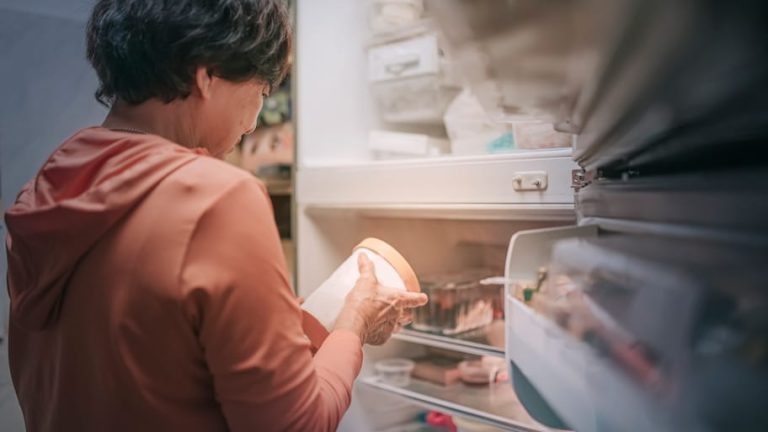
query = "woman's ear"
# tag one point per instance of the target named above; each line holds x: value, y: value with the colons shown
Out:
x: 203, y: 82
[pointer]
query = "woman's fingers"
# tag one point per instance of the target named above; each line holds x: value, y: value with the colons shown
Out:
x: 365, y: 266
x: 411, y: 300
x: 406, y: 317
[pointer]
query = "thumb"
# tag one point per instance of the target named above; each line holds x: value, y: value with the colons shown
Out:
x: 411, y: 300
x: 365, y: 265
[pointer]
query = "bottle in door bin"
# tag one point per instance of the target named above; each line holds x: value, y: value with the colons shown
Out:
x: 322, y: 307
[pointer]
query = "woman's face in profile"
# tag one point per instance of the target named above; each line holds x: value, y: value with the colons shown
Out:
x: 229, y: 112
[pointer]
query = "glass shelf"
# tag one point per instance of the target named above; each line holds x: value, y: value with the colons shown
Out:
x: 474, y: 342
x: 496, y: 405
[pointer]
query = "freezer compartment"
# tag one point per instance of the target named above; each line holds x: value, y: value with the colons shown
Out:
x: 643, y: 333
x: 642, y: 82
x: 527, y: 57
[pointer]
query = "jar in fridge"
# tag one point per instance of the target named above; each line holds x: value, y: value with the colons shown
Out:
x: 457, y: 303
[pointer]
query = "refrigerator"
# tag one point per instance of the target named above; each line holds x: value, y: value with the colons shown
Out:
x: 643, y: 243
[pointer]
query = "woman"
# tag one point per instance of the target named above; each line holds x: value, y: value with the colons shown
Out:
x: 148, y: 288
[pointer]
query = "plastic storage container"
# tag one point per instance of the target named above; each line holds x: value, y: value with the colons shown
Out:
x: 396, y: 372
x: 322, y: 307
x: 457, y: 302
x: 411, y: 81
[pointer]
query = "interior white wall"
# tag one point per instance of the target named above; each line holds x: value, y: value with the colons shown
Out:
x: 334, y: 112
x: 47, y: 94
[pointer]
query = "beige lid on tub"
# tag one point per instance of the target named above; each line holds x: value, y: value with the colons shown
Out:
x: 393, y: 257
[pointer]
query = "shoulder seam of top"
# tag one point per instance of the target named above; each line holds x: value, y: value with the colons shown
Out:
x: 224, y: 193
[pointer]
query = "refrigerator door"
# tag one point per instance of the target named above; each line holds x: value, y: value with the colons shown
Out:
x: 670, y: 107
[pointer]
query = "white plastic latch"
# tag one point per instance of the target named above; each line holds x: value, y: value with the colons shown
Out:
x: 530, y: 181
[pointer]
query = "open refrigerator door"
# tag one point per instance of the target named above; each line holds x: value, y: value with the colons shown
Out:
x: 652, y: 312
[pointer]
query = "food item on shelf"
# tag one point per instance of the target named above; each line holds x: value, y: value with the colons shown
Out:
x: 535, y: 134
x: 395, y: 371
x: 437, y: 369
x: 458, y: 302
x: 525, y: 290
x: 470, y: 128
x: 566, y: 303
x: 438, y: 419
x: 473, y: 131
x: 466, y: 425
x: 483, y: 371
x: 495, y: 333
x: 387, y: 16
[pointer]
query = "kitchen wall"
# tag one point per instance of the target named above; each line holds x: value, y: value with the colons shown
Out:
x: 47, y: 94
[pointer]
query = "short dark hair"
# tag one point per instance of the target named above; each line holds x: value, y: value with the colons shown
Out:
x: 144, y: 49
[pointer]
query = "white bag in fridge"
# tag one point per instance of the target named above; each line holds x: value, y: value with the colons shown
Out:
x: 471, y: 130
x: 535, y: 134
x: 322, y: 307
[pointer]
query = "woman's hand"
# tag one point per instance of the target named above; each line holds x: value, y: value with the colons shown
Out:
x: 374, y: 312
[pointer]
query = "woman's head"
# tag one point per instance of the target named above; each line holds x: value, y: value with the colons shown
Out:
x: 224, y: 54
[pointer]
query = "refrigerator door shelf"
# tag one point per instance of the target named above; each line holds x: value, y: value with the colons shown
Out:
x: 637, y: 332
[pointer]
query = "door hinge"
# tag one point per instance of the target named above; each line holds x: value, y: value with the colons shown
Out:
x: 578, y: 179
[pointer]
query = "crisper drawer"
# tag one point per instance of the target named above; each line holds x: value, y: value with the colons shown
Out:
x: 635, y: 333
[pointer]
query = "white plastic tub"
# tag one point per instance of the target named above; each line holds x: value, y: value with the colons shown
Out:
x: 322, y: 307
x: 396, y: 371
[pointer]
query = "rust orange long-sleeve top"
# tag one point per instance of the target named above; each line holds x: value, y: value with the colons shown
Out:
x: 149, y: 292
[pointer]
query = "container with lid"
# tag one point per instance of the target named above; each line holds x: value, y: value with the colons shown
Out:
x: 395, y: 371
x: 458, y: 302
x: 322, y: 307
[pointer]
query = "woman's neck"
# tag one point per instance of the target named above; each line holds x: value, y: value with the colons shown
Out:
x: 168, y: 120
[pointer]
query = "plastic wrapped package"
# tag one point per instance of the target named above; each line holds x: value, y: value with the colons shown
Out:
x: 457, y: 302
x: 470, y: 129
x: 420, y: 99
x: 535, y: 134
x: 388, y: 16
